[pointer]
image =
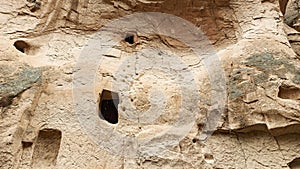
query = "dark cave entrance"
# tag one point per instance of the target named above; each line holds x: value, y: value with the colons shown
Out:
x: 108, y: 106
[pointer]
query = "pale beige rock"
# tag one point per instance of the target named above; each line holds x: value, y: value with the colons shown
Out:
x: 257, y: 45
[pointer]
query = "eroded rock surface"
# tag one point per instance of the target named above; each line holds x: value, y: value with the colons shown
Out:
x: 42, y: 42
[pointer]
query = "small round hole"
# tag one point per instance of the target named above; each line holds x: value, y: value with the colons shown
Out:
x: 36, y: 7
x: 21, y: 46
x: 130, y: 38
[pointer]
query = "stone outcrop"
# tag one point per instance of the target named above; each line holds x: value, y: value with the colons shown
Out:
x: 45, y: 44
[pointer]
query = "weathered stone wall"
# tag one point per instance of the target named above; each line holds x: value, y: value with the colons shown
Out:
x: 42, y: 41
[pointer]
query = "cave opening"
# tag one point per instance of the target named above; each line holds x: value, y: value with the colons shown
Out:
x: 108, y: 106
x: 130, y: 38
x: 291, y: 93
x: 295, y: 163
x: 21, y: 46
x: 46, y: 148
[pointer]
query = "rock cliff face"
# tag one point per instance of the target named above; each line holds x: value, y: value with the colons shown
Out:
x: 136, y: 106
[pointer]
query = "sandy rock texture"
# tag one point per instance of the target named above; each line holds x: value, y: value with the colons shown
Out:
x: 127, y: 113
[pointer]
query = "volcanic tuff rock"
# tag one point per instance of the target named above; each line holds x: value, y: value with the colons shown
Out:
x: 42, y: 41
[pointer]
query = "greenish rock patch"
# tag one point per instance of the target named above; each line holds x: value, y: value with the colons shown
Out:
x: 16, y: 80
x: 266, y: 65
